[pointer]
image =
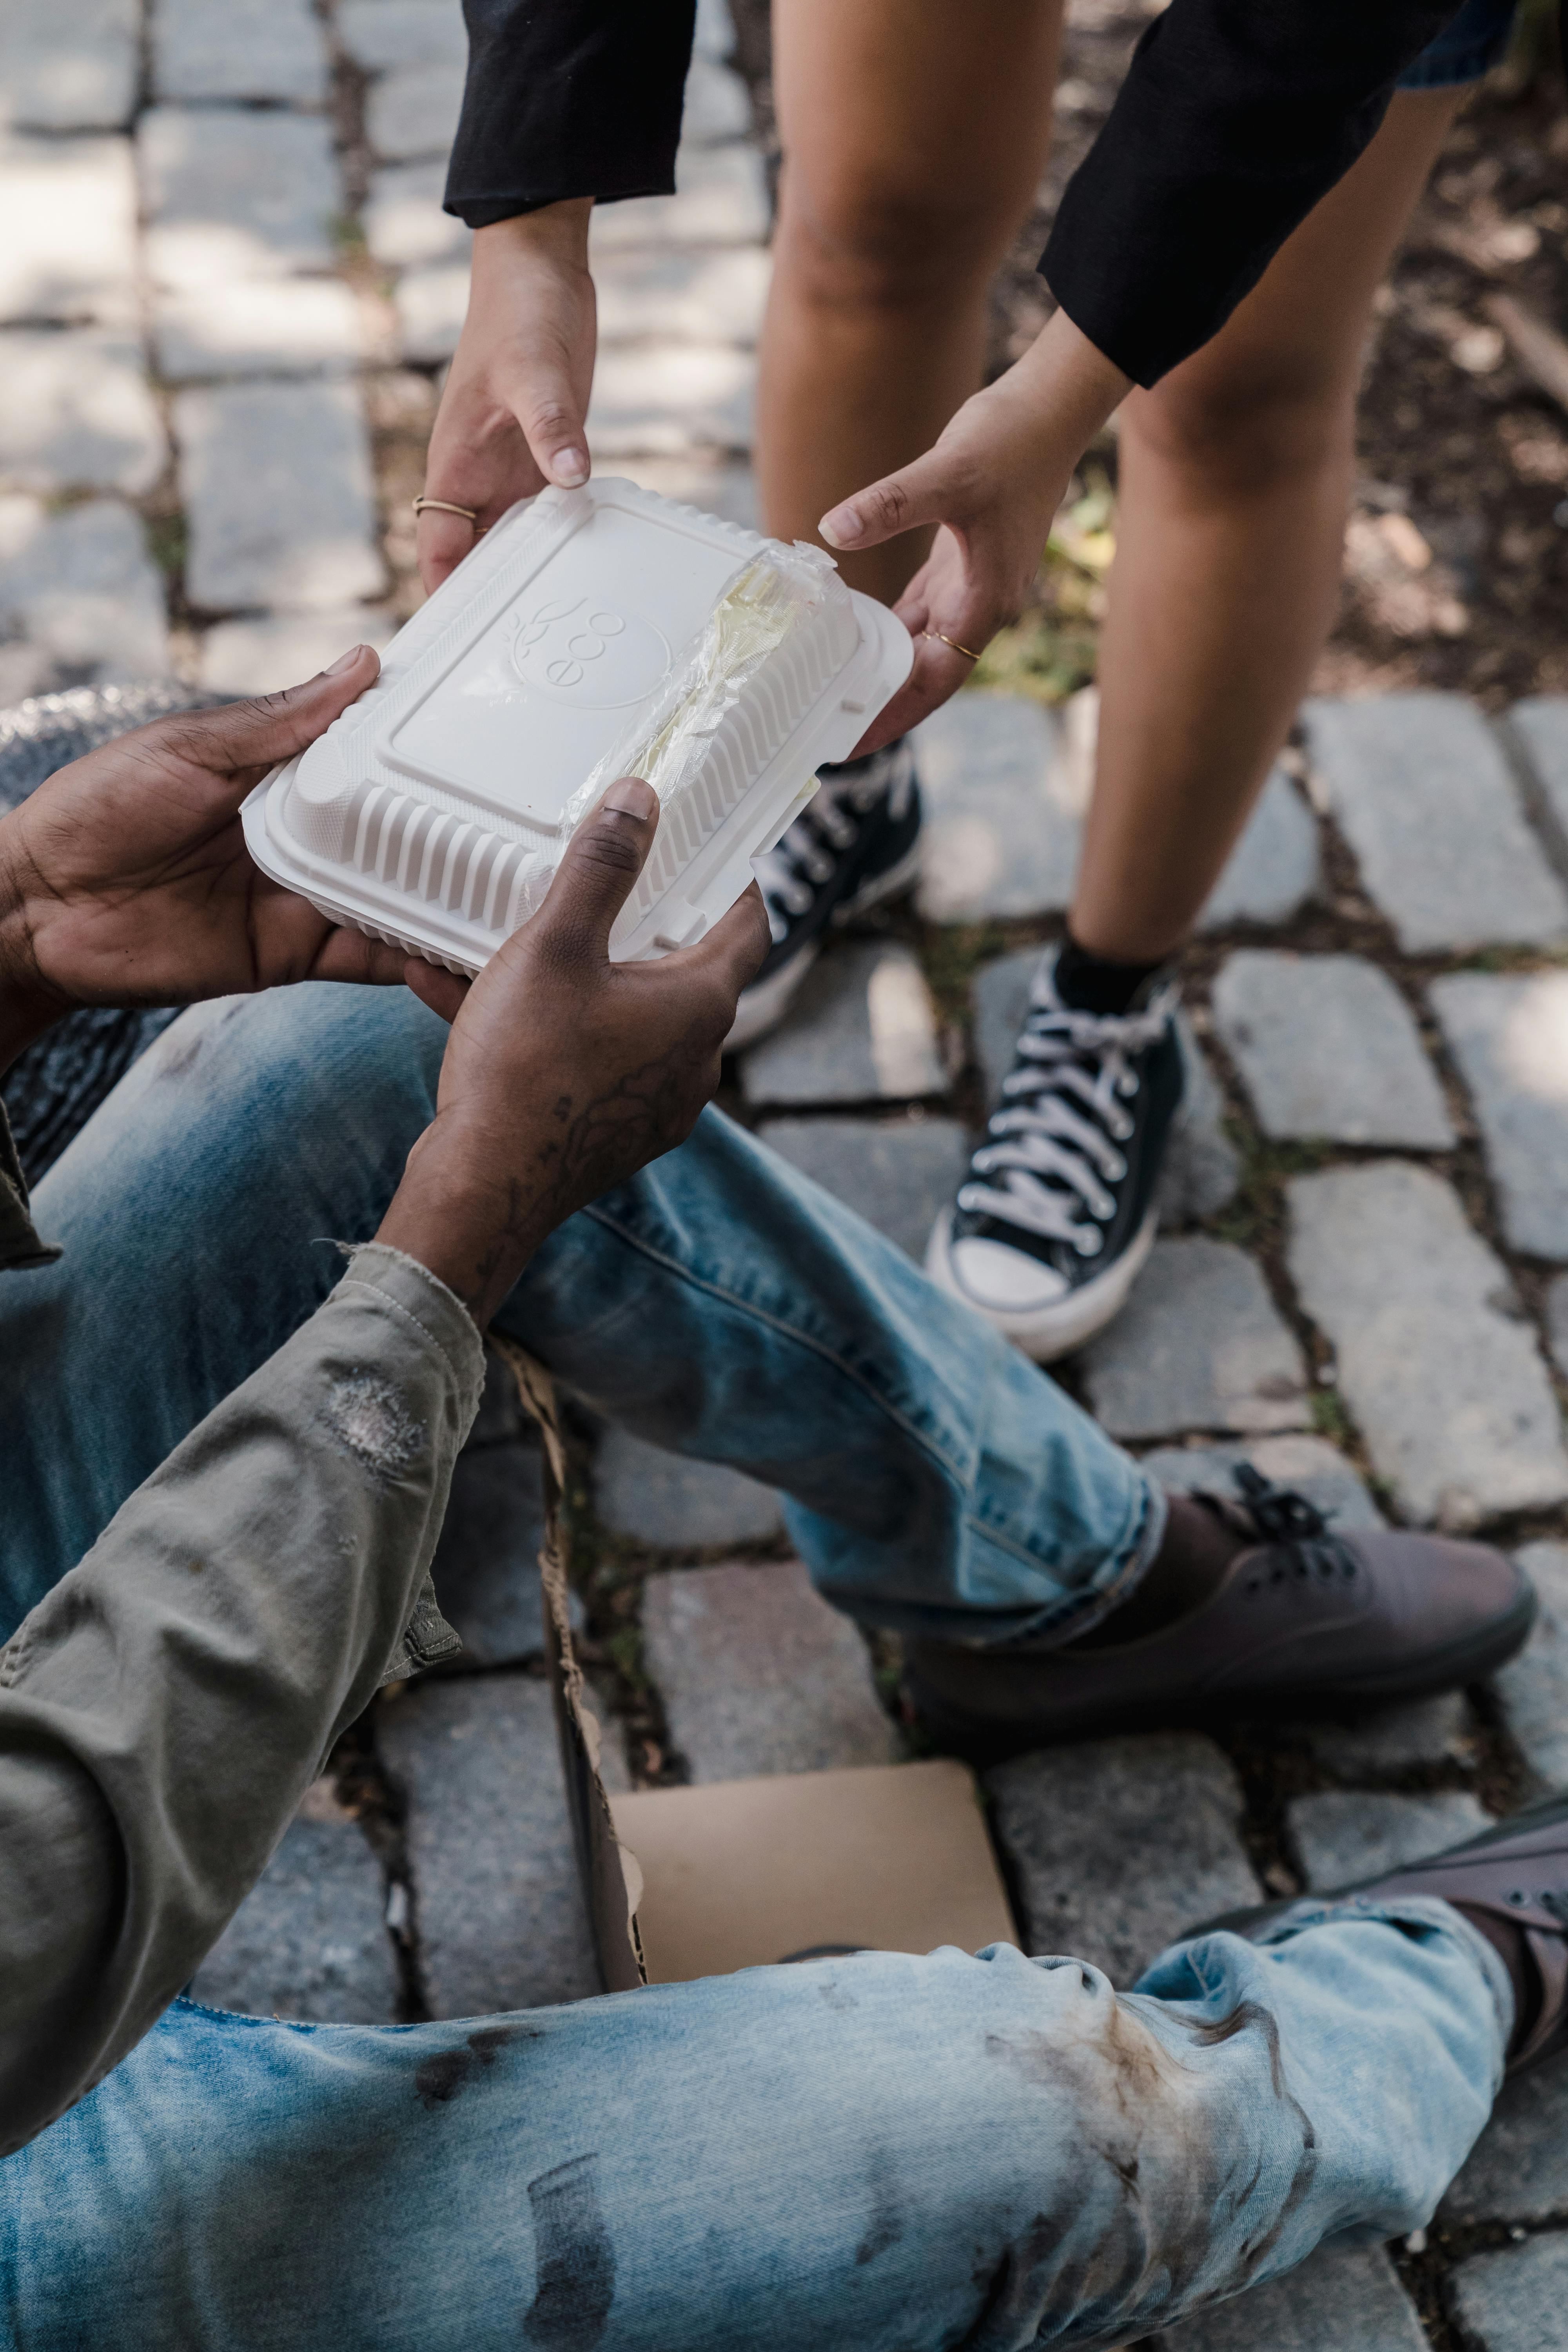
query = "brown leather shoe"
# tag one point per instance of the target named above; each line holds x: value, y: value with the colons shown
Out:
x: 1305, y: 1619
x: 1517, y: 1873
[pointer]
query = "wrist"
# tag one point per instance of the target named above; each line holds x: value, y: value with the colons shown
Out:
x: 474, y: 1234
x: 556, y: 234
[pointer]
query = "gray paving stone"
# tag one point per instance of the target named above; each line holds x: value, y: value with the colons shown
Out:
x: 1203, y: 1167
x: 413, y: 112
x: 1120, y: 1845
x: 77, y: 414
x: 260, y: 657
x: 1200, y: 1345
x: 663, y: 1498
x: 668, y: 398
x: 1540, y: 727
x: 498, y: 1912
x: 1341, y: 2299
x: 72, y: 65
x: 1343, y: 1835
x: 686, y: 295
x: 1275, y: 866
x: 715, y: 34
x: 81, y: 589
x: 720, y: 198
x: 310, y: 1941
x: 1510, y: 1037
x: 862, y: 1025
x: 70, y: 249
x: 759, y: 1675
x: 1309, y: 1465
x: 381, y: 35
x: 1422, y: 792
x: 1003, y: 810
x: 232, y: 194
x: 1513, y: 2301
x: 431, y: 304
x: 1557, y: 1321
x: 486, y: 1569
x: 1535, y: 1686
x: 291, y: 326
x: 247, y: 48
x: 1442, y: 1375
x: 404, y: 224
x: 897, y: 1174
x: 276, y: 481
x: 718, y: 105
x: 1518, y: 2169
x: 1326, y: 1046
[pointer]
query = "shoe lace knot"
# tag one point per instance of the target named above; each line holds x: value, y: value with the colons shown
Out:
x: 1281, y: 1517
x: 806, y: 856
x: 1052, y: 1144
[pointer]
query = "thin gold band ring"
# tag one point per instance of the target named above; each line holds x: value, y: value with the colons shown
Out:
x: 444, y: 506
x: 951, y: 641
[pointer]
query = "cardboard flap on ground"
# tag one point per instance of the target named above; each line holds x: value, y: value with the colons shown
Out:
x: 685, y: 1882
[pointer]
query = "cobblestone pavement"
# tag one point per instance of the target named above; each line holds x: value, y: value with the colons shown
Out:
x: 226, y: 292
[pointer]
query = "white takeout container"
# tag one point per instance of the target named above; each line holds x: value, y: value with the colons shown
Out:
x: 415, y: 816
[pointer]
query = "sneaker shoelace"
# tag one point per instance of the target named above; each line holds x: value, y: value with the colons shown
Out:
x: 806, y: 857
x: 1053, y: 1141
x: 1292, y: 1526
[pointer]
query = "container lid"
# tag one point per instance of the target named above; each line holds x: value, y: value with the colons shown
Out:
x: 592, y: 632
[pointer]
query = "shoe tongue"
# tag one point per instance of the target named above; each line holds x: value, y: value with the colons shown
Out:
x: 1092, y: 983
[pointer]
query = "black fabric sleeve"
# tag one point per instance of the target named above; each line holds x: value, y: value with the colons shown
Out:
x: 1235, y: 116
x: 568, y: 97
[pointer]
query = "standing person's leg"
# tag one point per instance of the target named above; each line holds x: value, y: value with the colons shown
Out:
x: 893, y: 2153
x: 1236, y: 477
x: 1236, y: 473
x: 913, y: 140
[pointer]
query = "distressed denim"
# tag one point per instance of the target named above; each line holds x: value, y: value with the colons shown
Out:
x: 881, y: 2152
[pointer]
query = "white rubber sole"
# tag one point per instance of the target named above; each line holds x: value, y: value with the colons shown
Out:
x: 1047, y: 1332
x: 764, y: 1005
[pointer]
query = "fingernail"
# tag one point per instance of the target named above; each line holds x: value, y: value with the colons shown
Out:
x: 346, y: 661
x: 630, y: 797
x: 570, y: 466
x: 841, y: 528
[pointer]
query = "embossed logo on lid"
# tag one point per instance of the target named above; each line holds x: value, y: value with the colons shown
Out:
x: 581, y: 651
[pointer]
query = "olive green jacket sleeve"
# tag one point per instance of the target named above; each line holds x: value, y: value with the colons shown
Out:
x: 164, y: 1709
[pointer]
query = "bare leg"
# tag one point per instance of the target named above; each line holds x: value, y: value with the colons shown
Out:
x: 1236, y: 473
x: 914, y: 135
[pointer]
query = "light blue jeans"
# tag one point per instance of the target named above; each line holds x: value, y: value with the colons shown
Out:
x: 883, y: 2153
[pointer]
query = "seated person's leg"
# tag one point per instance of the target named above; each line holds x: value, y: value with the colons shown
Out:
x: 880, y: 2151
x: 198, y: 1210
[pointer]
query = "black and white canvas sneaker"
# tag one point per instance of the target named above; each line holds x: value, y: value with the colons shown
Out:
x: 852, y: 846
x: 1059, y: 1209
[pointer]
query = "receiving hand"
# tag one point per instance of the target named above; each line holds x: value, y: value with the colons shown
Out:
x: 512, y: 415
x: 124, y: 879
x: 565, y: 1072
x: 992, y: 482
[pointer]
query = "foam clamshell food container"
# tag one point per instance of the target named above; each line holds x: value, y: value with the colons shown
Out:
x: 431, y: 812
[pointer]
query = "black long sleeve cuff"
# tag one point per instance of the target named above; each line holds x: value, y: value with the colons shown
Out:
x: 1235, y: 118
x: 568, y: 97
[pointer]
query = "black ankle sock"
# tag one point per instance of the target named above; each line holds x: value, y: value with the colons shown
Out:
x: 1092, y: 983
x: 1197, y: 1549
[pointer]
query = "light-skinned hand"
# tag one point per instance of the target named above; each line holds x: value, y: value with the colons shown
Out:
x: 564, y: 1072
x: 124, y: 878
x: 512, y: 416
x: 992, y: 482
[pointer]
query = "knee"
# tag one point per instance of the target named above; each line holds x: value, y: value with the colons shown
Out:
x: 1246, y: 430
x: 864, y: 240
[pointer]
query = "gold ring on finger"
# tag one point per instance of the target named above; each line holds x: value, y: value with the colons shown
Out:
x: 937, y: 636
